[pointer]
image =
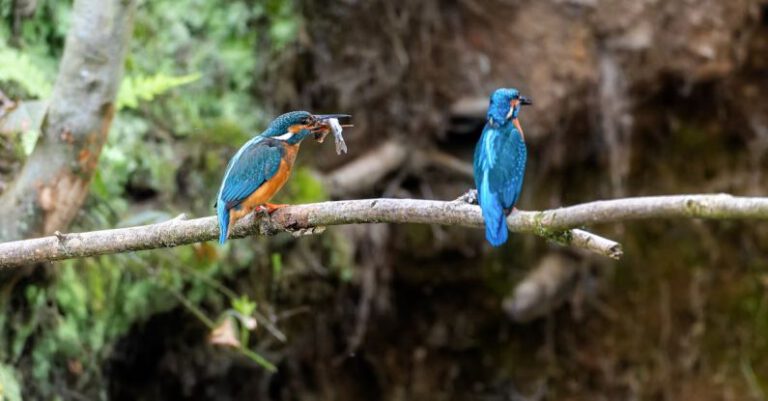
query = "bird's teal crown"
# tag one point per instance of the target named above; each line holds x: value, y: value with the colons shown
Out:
x: 500, y: 104
x: 282, y: 123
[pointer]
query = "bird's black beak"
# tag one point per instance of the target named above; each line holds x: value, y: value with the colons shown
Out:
x: 525, y: 101
x: 321, y: 117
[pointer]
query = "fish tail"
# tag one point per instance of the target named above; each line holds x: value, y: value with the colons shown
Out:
x: 223, y: 214
x: 493, y: 214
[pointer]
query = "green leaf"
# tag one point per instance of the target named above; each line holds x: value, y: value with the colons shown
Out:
x: 68, y: 337
x: 10, y: 390
x: 28, y: 141
x: 135, y: 89
x: 17, y: 67
x: 244, y: 305
x: 277, y: 265
x: 305, y: 187
x: 283, y: 31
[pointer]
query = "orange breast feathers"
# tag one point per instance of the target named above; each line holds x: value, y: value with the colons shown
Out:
x: 269, y: 188
x: 519, y: 128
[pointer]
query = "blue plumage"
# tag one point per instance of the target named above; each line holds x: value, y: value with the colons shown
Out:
x: 256, y: 162
x: 264, y: 162
x: 222, y: 213
x: 499, y: 163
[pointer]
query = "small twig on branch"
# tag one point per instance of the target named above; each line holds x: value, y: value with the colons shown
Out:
x: 553, y: 224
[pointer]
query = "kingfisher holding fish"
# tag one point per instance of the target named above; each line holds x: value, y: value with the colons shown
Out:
x: 499, y: 162
x: 262, y: 166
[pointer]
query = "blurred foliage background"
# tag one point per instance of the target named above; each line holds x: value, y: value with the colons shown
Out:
x: 632, y: 98
x: 187, y: 99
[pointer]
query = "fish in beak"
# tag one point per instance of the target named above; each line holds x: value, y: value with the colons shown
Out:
x: 327, y: 123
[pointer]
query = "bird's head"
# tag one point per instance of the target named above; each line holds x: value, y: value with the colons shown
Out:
x: 294, y: 126
x: 505, y: 105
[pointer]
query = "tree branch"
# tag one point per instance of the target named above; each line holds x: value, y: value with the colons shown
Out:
x: 551, y: 224
x: 545, y: 287
x: 712, y: 206
x: 53, y: 183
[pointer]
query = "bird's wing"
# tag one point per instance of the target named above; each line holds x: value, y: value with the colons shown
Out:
x: 501, y: 153
x: 256, y: 162
x: 481, y: 162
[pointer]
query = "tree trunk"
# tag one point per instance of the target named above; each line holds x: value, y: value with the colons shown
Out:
x: 53, y: 183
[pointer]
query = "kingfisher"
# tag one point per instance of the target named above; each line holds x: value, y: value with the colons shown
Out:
x: 262, y: 166
x: 499, y: 162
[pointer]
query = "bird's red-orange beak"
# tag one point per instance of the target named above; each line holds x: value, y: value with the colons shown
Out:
x: 521, y: 100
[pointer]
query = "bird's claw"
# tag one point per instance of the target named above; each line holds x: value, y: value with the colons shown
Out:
x: 271, y: 207
x: 468, y: 197
x: 265, y: 211
x: 261, y: 211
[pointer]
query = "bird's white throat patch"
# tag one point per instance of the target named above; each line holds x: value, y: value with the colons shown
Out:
x: 285, y: 136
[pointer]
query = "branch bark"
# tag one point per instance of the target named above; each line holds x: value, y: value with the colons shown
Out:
x: 54, y: 181
x: 553, y: 224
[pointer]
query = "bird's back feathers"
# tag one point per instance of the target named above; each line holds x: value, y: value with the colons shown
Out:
x: 499, y: 168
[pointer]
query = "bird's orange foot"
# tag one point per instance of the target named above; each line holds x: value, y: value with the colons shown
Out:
x: 271, y: 207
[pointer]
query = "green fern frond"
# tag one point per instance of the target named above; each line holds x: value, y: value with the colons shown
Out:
x: 18, y: 67
x: 138, y: 88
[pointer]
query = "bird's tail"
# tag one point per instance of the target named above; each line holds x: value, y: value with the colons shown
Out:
x: 493, y: 214
x: 223, y: 214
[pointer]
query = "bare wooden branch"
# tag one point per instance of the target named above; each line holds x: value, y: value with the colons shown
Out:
x: 294, y: 218
x: 553, y: 224
x: 473, y: 107
x: 445, y: 162
x: 366, y: 171
x: 711, y: 206
x: 362, y: 174
x: 544, y: 288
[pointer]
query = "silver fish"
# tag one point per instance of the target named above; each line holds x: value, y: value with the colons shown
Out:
x: 336, y: 128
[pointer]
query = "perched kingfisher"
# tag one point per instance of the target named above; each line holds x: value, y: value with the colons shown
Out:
x: 260, y: 168
x: 499, y: 163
